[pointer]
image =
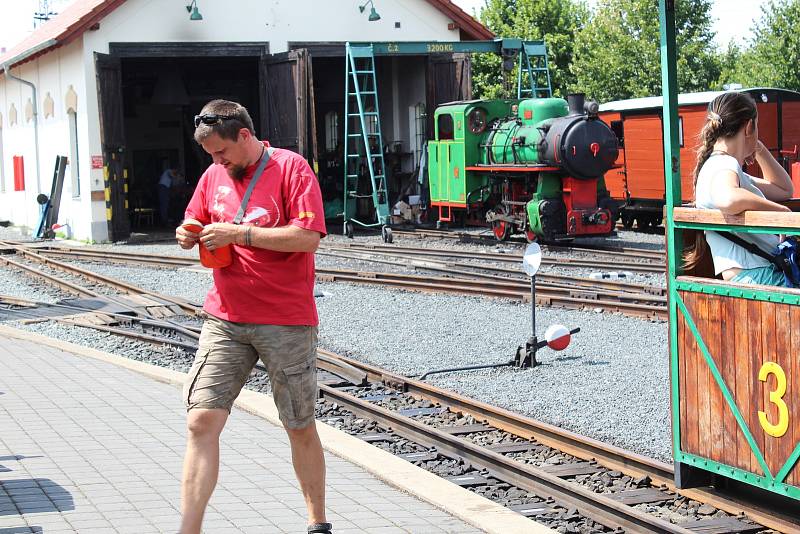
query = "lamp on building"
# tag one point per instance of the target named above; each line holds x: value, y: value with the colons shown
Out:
x: 373, y: 15
x: 194, y: 12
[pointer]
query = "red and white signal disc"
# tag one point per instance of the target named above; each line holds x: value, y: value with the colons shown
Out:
x: 557, y: 337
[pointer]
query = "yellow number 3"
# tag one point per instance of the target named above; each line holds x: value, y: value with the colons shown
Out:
x: 776, y: 398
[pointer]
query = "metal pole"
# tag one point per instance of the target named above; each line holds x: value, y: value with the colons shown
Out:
x: 533, y: 308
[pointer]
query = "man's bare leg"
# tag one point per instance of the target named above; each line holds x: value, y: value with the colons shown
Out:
x: 309, y: 466
x: 200, y: 465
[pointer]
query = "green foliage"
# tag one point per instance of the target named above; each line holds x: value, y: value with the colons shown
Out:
x: 613, y: 53
x: 617, y: 54
x: 773, y: 55
x: 555, y: 21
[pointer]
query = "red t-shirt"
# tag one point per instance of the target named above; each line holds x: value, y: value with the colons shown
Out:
x: 263, y: 286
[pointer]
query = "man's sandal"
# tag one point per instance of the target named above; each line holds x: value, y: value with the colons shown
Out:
x: 320, y: 528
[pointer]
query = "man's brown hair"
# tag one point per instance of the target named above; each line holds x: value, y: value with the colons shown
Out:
x: 228, y: 128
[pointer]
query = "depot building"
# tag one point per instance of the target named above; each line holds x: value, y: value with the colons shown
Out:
x: 100, y: 100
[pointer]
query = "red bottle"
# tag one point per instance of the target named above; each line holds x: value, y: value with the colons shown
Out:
x: 213, y: 259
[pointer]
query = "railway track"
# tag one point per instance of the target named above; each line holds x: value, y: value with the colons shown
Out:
x: 467, y: 237
x: 628, y: 261
x: 551, y: 290
x: 499, y: 447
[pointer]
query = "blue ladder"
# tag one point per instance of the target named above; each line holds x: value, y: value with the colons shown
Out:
x: 363, y: 142
x: 533, y: 58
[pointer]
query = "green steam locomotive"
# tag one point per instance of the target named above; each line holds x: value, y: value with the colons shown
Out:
x: 531, y: 166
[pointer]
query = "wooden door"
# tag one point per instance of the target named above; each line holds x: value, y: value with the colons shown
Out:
x: 112, y: 134
x: 287, y: 118
x: 449, y: 79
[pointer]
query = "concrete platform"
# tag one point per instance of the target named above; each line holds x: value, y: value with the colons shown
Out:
x: 93, y: 443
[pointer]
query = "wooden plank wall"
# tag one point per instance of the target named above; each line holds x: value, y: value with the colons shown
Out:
x: 741, y: 336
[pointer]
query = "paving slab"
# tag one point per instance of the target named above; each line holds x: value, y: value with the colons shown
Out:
x: 92, y: 442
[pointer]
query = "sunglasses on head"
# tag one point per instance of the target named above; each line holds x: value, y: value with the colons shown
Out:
x: 210, y: 118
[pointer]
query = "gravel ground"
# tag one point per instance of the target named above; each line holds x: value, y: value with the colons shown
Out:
x: 612, y: 383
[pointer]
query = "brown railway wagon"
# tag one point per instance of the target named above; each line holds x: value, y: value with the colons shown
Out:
x: 638, y: 182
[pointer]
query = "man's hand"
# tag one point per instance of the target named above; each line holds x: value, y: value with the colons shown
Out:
x: 186, y: 239
x: 220, y: 234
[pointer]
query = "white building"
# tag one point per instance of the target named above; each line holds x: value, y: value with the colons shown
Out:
x: 113, y: 86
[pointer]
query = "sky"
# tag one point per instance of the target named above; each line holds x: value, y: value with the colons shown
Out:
x: 731, y: 17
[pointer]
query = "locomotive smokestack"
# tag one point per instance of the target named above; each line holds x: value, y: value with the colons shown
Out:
x: 575, y: 102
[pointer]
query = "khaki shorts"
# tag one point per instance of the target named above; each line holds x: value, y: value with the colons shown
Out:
x: 229, y: 351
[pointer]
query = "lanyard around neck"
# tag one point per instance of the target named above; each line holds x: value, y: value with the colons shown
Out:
x: 262, y: 163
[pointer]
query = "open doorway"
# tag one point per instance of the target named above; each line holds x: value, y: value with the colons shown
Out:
x: 160, y: 98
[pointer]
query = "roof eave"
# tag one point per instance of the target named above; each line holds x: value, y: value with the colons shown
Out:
x: 28, y: 54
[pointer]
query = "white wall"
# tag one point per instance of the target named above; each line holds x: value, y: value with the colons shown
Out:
x: 275, y: 21
x: 52, y: 74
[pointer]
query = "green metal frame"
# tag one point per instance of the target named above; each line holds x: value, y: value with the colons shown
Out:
x: 357, y: 75
x: 674, y: 234
x: 418, y: 48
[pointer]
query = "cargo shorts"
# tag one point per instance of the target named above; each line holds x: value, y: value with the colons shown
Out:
x: 229, y: 351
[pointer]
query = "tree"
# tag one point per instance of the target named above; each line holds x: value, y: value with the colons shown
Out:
x: 617, y: 52
x: 773, y: 55
x: 555, y: 21
x: 730, y: 61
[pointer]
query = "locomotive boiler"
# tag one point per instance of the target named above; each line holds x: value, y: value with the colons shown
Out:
x: 532, y: 166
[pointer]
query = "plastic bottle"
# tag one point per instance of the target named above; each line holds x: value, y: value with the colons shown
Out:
x: 213, y: 259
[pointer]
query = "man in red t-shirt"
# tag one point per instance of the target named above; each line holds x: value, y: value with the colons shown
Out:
x: 261, y: 304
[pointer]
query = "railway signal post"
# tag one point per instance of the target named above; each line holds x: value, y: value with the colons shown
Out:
x: 557, y: 337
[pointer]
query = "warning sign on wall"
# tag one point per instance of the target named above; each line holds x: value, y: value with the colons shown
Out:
x: 97, y: 162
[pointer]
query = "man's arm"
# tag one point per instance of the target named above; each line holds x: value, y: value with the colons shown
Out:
x: 288, y: 238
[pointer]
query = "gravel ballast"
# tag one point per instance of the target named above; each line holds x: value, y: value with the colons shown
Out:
x: 611, y: 384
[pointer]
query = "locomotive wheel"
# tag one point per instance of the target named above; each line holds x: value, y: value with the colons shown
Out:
x: 348, y: 229
x: 627, y: 221
x: 530, y: 235
x: 501, y: 230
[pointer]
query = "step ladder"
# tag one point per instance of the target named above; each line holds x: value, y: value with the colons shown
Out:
x: 363, y: 142
x: 533, y: 59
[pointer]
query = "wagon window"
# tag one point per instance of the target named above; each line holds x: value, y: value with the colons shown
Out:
x: 445, y: 126
x: 619, y: 131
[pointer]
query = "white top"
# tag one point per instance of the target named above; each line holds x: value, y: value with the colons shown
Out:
x: 725, y: 252
x: 166, y: 178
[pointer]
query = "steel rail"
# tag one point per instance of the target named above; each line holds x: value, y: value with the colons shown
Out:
x: 449, y: 267
x: 125, y: 257
x: 585, y: 448
x: 599, y: 249
x: 61, y: 283
x: 647, y: 267
x: 112, y: 282
x: 638, y: 304
x: 593, y: 505
x: 516, y: 276
x: 522, y: 287
x: 570, y: 298
x: 609, y: 456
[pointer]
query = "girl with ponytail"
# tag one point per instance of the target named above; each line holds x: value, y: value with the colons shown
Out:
x: 729, y: 139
